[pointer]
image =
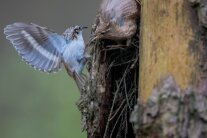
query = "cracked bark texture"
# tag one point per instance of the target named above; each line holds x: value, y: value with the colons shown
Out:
x: 172, y: 113
x: 172, y: 42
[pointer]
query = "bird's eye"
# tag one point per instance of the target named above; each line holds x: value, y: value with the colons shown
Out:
x: 77, y: 31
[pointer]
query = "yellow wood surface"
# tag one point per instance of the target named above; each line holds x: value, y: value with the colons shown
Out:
x: 166, y: 33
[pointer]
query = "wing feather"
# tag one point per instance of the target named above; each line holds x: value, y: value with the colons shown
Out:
x: 39, y: 47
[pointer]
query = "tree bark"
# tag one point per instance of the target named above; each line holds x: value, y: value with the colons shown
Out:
x: 169, y: 44
x: 172, y: 75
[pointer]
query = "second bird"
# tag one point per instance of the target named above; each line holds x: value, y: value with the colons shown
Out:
x: 117, y: 19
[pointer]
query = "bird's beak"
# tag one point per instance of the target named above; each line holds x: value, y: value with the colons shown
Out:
x: 95, y: 37
x: 84, y: 27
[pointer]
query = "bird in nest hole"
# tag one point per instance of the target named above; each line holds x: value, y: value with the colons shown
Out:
x: 117, y: 20
x: 47, y: 51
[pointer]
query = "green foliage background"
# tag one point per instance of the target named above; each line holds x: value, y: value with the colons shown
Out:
x: 35, y: 104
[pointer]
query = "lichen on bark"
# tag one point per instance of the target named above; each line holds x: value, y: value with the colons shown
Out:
x: 172, y: 112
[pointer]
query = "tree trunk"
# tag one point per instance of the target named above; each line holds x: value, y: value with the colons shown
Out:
x: 169, y: 44
x: 172, y: 75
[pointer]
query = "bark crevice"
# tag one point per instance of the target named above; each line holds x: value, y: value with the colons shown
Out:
x: 172, y: 112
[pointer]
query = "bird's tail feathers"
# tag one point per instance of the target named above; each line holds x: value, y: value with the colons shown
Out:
x: 80, y: 80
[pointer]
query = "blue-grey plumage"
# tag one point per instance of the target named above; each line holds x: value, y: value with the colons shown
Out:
x: 46, y: 50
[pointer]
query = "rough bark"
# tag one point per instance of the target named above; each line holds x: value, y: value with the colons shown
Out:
x: 173, y: 42
x: 172, y: 112
x: 170, y: 42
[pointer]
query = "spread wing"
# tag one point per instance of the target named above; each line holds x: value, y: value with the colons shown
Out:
x: 118, y: 10
x: 38, y: 46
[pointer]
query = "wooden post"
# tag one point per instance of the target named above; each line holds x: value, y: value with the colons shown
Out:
x: 169, y: 41
x: 172, y: 70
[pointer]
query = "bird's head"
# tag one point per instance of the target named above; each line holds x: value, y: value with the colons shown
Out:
x: 74, y: 32
x: 102, y: 31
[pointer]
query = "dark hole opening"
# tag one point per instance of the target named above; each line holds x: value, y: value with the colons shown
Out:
x: 122, y: 82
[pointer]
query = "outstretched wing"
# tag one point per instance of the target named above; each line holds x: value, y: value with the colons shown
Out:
x: 38, y: 46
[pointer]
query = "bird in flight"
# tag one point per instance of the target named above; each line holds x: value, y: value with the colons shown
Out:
x: 47, y: 51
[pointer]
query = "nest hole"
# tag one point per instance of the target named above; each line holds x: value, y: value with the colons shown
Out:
x: 121, y: 79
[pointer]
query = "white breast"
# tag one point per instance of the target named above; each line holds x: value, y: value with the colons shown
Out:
x: 74, y: 52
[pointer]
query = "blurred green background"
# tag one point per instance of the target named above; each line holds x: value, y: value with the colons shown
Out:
x: 35, y: 104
